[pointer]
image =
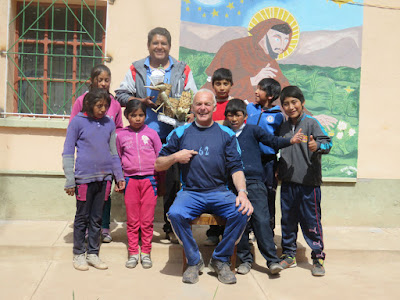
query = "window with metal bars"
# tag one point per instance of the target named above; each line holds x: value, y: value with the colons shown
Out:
x: 56, y: 46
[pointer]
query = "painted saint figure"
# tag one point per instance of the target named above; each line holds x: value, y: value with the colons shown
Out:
x: 253, y: 58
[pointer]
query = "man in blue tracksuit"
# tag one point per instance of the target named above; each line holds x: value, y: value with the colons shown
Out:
x: 207, y: 153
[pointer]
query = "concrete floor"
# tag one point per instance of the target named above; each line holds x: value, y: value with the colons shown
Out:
x: 36, y: 263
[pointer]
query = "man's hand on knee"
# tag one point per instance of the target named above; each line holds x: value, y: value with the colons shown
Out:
x: 244, y: 203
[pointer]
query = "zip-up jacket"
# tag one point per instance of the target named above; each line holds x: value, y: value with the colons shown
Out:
x: 135, y: 81
x: 297, y: 163
x: 267, y: 119
x: 138, y: 150
x: 180, y: 77
x: 96, y: 154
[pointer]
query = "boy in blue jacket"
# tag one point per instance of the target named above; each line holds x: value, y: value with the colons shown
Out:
x: 249, y: 137
x: 269, y: 117
x: 300, y: 171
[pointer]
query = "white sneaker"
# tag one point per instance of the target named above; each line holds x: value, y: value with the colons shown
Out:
x: 146, y: 261
x: 132, y: 261
x: 94, y: 261
x: 80, y: 262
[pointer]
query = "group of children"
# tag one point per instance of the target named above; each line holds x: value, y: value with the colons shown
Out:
x: 261, y: 131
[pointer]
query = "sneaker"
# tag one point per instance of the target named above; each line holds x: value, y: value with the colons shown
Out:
x: 318, y: 267
x: 191, y: 274
x: 146, y: 261
x: 171, y: 237
x: 132, y: 261
x: 212, y: 240
x: 106, y: 237
x: 275, y: 268
x: 95, y: 261
x: 244, y: 268
x: 288, y: 261
x: 80, y: 263
x: 225, y: 275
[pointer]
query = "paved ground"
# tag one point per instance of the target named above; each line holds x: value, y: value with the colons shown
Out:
x: 36, y: 263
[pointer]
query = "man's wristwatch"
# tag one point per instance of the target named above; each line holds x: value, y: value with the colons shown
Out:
x: 243, y: 190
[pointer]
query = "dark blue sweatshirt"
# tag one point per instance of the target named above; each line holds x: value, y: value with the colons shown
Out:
x: 218, y: 156
x: 249, y: 141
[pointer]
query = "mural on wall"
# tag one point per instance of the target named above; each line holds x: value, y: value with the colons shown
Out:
x: 314, y: 44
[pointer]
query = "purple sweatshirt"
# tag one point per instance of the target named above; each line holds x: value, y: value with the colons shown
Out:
x: 114, y: 111
x: 138, y: 150
x: 96, y: 154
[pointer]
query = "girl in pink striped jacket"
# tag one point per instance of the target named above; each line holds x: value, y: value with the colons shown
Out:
x: 138, y: 147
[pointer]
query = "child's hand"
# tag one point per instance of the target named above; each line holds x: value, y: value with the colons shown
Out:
x: 312, y: 144
x: 190, y: 118
x: 297, y: 138
x: 120, y: 186
x: 70, y: 191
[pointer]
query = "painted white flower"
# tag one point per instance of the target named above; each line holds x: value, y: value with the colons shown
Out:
x: 342, y: 125
x: 339, y: 135
x: 352, y: 132
x: 349, y: 172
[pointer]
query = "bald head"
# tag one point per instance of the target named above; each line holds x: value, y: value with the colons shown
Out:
x: 204, y: 93
x: 204, y: 105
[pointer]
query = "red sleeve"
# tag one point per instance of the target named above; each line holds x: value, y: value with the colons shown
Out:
x: 186, y: 72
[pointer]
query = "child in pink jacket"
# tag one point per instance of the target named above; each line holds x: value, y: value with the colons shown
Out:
x: 138, y: 147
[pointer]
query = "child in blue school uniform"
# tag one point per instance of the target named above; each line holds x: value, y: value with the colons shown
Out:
x: 299, y: 169
x: 269, y: 117
x: 249, y: 136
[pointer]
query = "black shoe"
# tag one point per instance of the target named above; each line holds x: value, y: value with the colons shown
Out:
x: 212, y: 240
x: 225, y: 275
x: 171, y: 237
x: 191, y: 274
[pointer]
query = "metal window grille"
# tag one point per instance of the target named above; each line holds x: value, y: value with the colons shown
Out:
x: 55, y: 47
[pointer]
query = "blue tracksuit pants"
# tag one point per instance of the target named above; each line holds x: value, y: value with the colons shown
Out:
x: 259, y: 221
x: 188, y: 205
x: 301, y: 204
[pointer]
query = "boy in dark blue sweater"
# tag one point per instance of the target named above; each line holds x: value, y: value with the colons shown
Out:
x: 249, y: 137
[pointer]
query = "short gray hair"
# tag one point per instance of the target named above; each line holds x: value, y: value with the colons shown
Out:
x: 206, y: 91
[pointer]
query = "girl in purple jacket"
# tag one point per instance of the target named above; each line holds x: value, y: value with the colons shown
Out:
x: 100, y: 77
x: 91, y: 134
x: 138, y: 147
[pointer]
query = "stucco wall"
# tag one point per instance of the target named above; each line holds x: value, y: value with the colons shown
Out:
x: 34, y: 147
x: 378, y: 143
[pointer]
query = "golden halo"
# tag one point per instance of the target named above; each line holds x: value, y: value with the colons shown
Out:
x: 281, y: 14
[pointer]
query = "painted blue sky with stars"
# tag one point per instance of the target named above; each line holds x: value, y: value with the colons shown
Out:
x: 310, y: 14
